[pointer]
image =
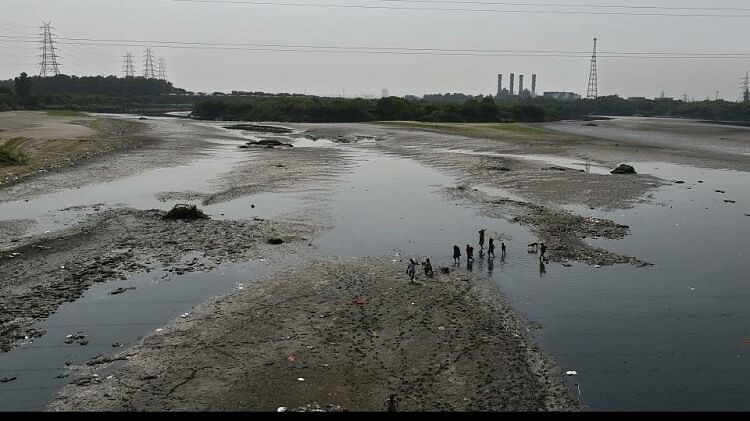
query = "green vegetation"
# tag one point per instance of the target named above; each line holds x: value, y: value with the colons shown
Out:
x: 499, y: 131
x: 10, y: 153
x: 62, y: 113
x: 318, y: 110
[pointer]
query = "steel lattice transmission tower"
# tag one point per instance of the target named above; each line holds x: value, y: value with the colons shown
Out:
x: 49, y: 65
x: 162, y: 70
x: 148, y: 64
x: 593, y: 90
x: 128, y: 68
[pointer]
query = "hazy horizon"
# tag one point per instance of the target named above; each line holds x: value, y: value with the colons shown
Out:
x: 323, y: 73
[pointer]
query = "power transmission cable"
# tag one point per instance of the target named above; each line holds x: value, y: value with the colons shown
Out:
x: 381, y: 50
x: 461, y: 9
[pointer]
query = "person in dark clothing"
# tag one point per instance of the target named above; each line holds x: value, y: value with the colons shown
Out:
x: 502, y: 249
x: 456, y: 254
x: 469, y: 252
x: 411, y: 270
x: 481, y: 239
x: 533, y: 247
x: 543, y: 250
x: 491, y: 250
x: 428, y: 268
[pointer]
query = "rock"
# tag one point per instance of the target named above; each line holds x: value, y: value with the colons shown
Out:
x: 121, y: 290
x: 679, y: 182
x: 275, y: 241
x: 729, y: 201
x: 269, y: 143
x: 719, y: 191
x: 259, y: 128
x: 623, y: 169
x: 8, y: 379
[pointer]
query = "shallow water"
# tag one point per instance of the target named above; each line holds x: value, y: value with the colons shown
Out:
x: 667, y: 337
x: 106, y: 319
x: 672, y: 336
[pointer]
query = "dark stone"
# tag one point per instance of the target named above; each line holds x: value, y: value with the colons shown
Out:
x: 623, y: 169
x: 275, y: 241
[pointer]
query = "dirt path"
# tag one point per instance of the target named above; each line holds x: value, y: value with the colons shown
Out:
x: 336, y: 335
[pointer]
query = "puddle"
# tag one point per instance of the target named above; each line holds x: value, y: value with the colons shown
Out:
x: 105, y: 319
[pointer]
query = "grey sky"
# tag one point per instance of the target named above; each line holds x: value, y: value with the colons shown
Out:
x: 321, y: 73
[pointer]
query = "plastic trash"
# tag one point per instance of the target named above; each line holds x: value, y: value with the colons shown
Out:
x: 301, y: 379
x: 281, y: 409
x: 184, y: 315
x: 571, y: 373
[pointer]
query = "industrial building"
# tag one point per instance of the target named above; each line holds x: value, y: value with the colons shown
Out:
x: 562, y: 96
x: 511, y: 92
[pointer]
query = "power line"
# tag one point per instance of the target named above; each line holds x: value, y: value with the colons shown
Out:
x: 464, y: 9
x: 385, y: 50
x: 568, y: 5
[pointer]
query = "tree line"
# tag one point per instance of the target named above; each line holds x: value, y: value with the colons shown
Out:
x: 318, y: 110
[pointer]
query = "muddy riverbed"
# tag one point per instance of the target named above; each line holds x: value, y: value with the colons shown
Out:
x: 620, y: 301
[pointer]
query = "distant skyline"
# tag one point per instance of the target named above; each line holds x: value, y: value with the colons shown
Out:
x: 225, y: 68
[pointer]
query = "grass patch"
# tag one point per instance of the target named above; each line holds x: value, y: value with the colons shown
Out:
x: 485, y: 130
x: 10, y: 152
x: 63, y: 113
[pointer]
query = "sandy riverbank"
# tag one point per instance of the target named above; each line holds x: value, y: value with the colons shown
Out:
x: 337, y: 334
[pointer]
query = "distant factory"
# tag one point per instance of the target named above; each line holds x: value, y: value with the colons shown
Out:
x: 511, y: 92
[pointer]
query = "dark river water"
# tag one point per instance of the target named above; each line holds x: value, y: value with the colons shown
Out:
x: 672, y: 336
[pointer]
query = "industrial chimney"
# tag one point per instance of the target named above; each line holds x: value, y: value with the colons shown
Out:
x: 499, y: 85
x: 520, y: 85
x: 533, y: 85
x: 512, y: 82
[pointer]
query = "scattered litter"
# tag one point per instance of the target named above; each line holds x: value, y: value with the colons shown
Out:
x: 159, y: 329
x: 441, y: 328
x: 360, y: 302
x: 597, y: 266
x: 692, y: 289
x: 16, y: 254
x: 719, y: 191
x: 117, y: 345
x: 184, y: 315
x: 290, y: 358
x: 301, y: 379
x: 281, y: 409
x: 8, y: 379
x: 571, y: 373
x: 729, y: 201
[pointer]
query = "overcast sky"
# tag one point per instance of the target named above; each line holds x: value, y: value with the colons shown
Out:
x: 367, y: 74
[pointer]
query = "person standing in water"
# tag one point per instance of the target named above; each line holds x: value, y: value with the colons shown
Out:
x: 456, y: 254
x: 428, y: 268
x: 411, y: 270
x: 481, y: 239
x: 542, y: 249
x: 491, y: 250
x: 469, y: 253
x: 502, y: 249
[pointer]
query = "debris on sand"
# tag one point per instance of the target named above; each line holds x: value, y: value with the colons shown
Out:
x: 268, y: 143
x: 275, y: 241
x: 623, y: 169
x: 8, y: 379
x: 729, y: 201
x: 259, y: 128
x: 121, y: 290
x: 185, y: 212
x: 590, y: 124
